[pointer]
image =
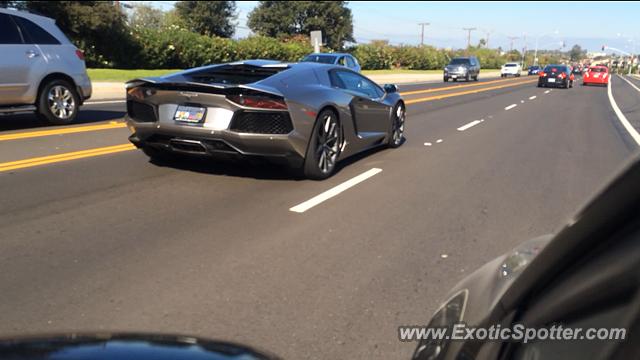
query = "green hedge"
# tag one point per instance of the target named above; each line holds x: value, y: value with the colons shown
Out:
x: 173, y: 47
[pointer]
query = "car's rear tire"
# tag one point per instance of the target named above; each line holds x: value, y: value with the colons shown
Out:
x: 58, y: 102
x: 324, y: 146
x: 446, y: 79
x: 396, y: 137
x: 475, y: 78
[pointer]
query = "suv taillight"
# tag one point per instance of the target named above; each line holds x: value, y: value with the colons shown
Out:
x: 80, y: 54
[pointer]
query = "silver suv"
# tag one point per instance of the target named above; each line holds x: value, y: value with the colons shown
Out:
x: 40, y: 69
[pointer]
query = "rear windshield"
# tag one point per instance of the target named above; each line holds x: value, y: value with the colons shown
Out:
x: 555, y: 68
x: 233, y: 74
x: 324, y: 59
x: 459, y: 62
x: 510, y: 65
x: 597, y: 69
x: 534, y: 67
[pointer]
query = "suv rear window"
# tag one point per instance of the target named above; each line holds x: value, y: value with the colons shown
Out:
x: 234, y: 74
x: 459, y: 61
x: 8, y: 31
x: 323, y: 59
x: 557, y: 68
x: 34, y: 34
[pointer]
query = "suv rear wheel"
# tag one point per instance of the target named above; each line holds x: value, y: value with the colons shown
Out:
x: 58, y: 102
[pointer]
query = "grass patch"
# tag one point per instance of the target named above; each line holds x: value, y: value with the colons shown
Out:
x: 400, y: 71
x: 119, y: 75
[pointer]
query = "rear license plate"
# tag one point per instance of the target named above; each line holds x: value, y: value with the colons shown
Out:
x: 190, y: 114
x: 551, y: 80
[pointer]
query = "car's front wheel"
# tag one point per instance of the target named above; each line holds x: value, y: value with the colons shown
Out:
x: 324, y: 146
x: 58, y: 102
x: 397, y: 128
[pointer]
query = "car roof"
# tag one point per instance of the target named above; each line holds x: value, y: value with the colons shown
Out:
x: 44, y: 22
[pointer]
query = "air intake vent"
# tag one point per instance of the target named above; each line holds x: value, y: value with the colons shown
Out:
x: 262, y: 122
x: 141, y: 112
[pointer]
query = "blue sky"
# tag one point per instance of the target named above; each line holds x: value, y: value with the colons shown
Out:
x: 589, y: 24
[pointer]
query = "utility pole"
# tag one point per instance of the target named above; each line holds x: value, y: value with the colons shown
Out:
x: 512, y: 38
x: 524, y: 50
x: 422, y: 25
x: 488, y: 33
x: 468, y: 30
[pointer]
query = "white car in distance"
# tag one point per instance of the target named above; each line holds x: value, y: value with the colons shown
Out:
x: 512, y: 68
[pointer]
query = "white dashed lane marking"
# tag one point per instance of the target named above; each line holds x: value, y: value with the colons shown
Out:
x: 510, y: 106
x: 302, y: 207
x: 469, y: 125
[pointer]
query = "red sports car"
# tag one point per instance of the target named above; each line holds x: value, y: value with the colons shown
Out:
x: 596, y: 75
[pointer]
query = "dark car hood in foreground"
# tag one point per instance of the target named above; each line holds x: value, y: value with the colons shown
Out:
x: 487, y: 284
x: 108, y: 346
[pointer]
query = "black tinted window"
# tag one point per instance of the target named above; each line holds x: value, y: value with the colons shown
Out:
x: 34, y: 34
x: 323, y: 59
x: 354, y: 82
x: 459, y: 62
x: 9, y: 33
x: 555, y: 68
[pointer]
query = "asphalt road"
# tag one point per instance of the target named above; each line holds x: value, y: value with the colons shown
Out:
x: 113, y: 242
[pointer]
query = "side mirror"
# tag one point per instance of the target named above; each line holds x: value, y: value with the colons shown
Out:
x: 390, y: 88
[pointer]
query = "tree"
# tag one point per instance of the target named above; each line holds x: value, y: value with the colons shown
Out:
x: 212, y: 18
x: 97, y: 27
x: 577, y: 53
x: 482, y: 43
x: 146, y: 17
x: 284, y: 18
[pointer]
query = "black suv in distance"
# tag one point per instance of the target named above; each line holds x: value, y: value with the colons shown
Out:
x: 462, y: 68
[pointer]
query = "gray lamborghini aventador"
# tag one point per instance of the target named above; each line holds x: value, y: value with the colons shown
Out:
x: 308, y: 115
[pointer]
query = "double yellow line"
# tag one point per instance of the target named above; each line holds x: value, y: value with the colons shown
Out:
x: 26, y: 163
x: 460, y: 93
x: 66, y: 130
x: 43, y: 160
x: 447, y: 88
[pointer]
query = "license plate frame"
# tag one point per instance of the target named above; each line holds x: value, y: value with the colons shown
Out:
x: 190, y: 114
x: 551, y: 80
